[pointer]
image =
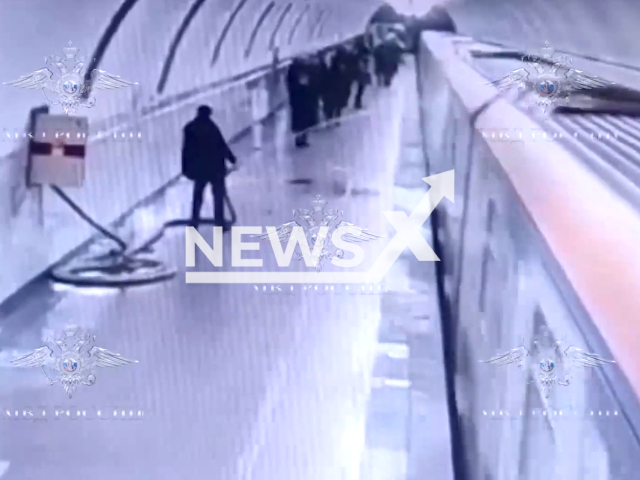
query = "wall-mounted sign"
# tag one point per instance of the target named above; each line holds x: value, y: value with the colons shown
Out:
x: 57, y: 151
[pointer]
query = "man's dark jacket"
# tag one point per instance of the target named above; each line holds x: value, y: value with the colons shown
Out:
x: 303, y: 97
x: 342, y: 75
x: 204, y: 151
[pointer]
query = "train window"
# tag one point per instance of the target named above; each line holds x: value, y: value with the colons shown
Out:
x: 487, y: 260
x: 540, y: 327
x: 491, y: 213
x: 542, y: 334
x: 454, y: 139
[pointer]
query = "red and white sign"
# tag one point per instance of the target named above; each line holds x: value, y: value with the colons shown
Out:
x: 57, y: 150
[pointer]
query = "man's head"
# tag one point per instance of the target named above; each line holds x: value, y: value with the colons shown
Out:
x: 204, y: 111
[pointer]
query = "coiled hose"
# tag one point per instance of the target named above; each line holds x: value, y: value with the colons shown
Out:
x: 120, y: 267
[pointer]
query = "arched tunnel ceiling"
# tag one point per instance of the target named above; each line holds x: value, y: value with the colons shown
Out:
x: 601, y: 29
x: 167, y: 46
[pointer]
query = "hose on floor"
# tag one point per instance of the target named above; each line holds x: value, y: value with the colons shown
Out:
x: 121, y: 267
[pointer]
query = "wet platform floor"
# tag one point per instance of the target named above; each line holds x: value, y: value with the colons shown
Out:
x: 234, y: 383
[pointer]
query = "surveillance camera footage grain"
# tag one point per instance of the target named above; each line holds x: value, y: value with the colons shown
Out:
x: 319, y: 240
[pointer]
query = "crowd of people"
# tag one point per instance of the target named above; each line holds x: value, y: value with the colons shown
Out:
x: 321, y: 86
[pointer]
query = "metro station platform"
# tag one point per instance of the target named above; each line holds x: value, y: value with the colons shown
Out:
x: 236, y: 384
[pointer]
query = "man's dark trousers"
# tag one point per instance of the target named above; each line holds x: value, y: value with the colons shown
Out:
x: 359, y: 93
x: 219, y: 191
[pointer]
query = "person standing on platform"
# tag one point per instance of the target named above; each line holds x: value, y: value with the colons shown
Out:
x: 303, y: 101
x: 340, y: 80
x: 204, y: 156
x: 327, y: 94
x: 362, y: 75
x: 317, y: 76
x: 273, y: 82
x: 379, y: 64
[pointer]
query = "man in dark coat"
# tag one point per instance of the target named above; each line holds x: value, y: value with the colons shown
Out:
x: 326, y: 91
x: 204, y: 156
x: 380, y: 64
x: 362, y: 75
x: 341, y: 80
x: 388, y: 56
x: 304, y: 101
x: 363, y: 78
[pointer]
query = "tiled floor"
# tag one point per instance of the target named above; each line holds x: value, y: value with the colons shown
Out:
x: 236, y: 384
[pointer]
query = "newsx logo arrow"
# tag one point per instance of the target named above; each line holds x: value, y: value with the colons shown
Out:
x: 408, y: 228
x: 407, y: 235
